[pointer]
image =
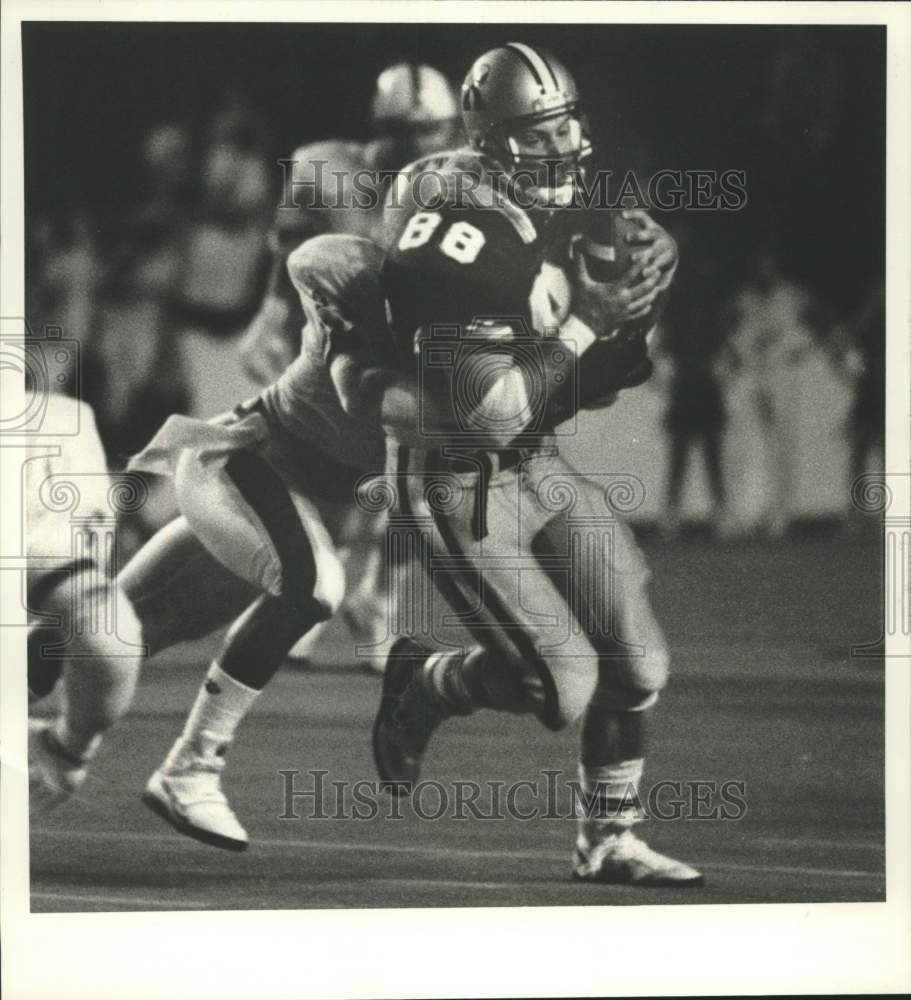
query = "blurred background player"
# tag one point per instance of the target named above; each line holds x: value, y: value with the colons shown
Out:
x: 81, y: 624
x: 690, y: 337
x: 413, y: 112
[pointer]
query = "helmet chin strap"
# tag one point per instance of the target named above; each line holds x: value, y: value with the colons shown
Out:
x: 557, y: 195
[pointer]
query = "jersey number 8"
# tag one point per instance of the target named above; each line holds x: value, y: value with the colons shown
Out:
x: 461, y: 241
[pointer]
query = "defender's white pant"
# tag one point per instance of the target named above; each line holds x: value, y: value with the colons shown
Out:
x: 246, y: 507
x: 259, y: 527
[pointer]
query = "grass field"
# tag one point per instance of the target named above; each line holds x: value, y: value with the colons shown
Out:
x: 763, y: 692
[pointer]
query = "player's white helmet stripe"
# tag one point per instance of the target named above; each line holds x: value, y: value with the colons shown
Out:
x: 538, y: 64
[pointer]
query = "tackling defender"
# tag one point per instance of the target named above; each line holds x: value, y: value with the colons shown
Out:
x: 413, y: 109
x: 267, y: 491
x: 339, y: 187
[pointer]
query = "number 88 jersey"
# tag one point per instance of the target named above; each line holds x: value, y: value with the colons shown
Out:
x: 457, y: 249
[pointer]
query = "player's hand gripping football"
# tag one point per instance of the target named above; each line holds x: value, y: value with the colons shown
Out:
x: 656, y: 248
x: 605, y: 306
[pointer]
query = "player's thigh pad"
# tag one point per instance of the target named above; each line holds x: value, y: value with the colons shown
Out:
x: 594, y: 561
x: 634, y: 659
x: 609, y: 599
x: 254, y: 525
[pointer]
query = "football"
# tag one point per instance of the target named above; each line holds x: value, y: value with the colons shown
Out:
x: 603, y: 241
x: 608, y: 255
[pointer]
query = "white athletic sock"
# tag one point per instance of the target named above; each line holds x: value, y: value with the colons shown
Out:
x: 612, y: 791
x: 220, y: 705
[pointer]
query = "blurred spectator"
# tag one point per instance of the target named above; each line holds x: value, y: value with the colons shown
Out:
x: 860, y: 348
x: 225, y: 254
x: 61, y: 267
x: 771, y: 322
x: 695, y: 417
x: 167, y: 176
x: 133, y: 377
x: 226, y: 240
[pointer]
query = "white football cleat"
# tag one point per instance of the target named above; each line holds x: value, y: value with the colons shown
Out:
x: 186, y: 792
x: 623, y: 859
x: 53, y: 774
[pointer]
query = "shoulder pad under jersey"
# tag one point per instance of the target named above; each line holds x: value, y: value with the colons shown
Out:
x: 458, y: 180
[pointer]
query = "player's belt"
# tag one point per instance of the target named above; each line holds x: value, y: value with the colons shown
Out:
x: 482, y: 464
x: 491, y: 462
x: 465, y: 461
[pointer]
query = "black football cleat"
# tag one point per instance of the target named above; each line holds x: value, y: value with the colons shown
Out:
x: 409, y: 713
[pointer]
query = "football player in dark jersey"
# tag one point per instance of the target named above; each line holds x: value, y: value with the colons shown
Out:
x: 497, y: 322
x: 341, y: 284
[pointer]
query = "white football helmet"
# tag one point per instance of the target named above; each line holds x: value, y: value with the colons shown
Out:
x: 410, y: 95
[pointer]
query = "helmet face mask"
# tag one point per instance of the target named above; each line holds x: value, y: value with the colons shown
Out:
x: 549, y: 175
x: 512, y: 90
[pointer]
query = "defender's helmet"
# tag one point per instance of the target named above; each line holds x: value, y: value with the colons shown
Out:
x: 511, y: 88
x: 411, y: 95
x: 414, y: 112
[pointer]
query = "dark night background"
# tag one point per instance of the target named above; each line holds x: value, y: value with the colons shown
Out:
x: 801, y: 109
